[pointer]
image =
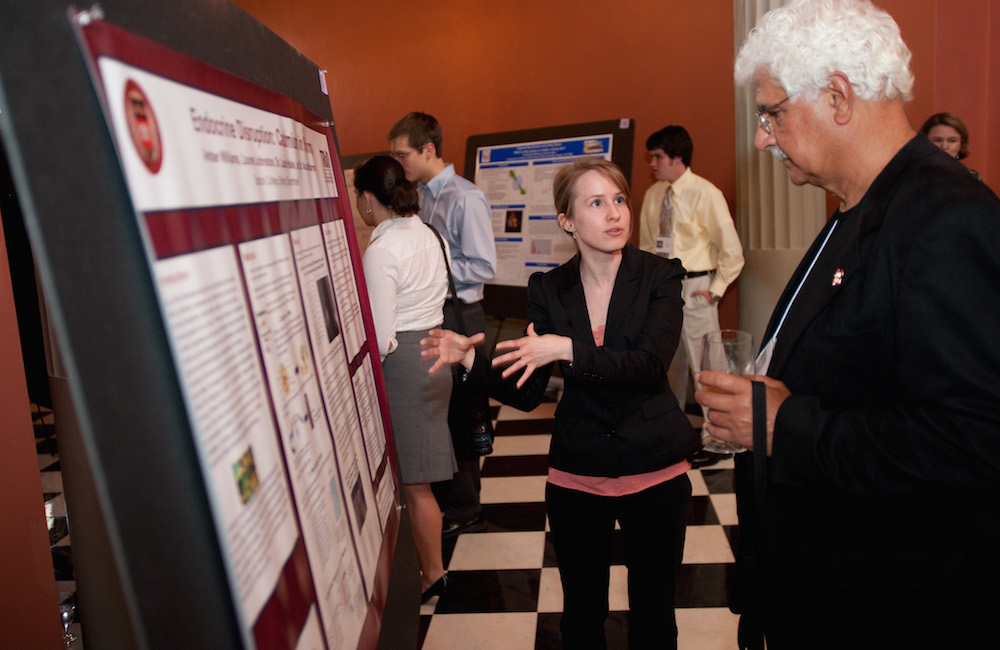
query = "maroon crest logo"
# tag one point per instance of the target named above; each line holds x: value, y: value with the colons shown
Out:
x: 143, y: 127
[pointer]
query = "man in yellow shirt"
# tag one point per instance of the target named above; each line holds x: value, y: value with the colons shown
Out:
x: 686, y: 216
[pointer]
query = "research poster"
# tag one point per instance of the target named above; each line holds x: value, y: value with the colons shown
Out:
x: 236, y: 194
x: 517, y: 180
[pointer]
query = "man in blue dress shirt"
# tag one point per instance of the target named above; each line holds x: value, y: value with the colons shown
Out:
x: 461, y: 213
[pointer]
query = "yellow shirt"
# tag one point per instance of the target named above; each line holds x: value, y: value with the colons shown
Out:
x: 704, y: 237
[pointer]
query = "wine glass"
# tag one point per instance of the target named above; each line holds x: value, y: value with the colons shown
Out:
x: 729, y: 351
x: 67, y: 612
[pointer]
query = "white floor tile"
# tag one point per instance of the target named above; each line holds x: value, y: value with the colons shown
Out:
x: 513, y: 489
x: 495, y: 551
x: 712, y: 628
x: 56, y: 507
x: 707, y: 545
x: 550, y: 591
x: 502, y: 631
x: 536, y: 445
x: 698, y: 487
x: 51, y: 481
x: 618, y: 589
x: 725, y: 507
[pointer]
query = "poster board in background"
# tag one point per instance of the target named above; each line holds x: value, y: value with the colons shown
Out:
x: 515, y: 170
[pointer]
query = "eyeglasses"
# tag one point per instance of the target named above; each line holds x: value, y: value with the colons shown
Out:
x: 765, y: 122
x: 400, y: 155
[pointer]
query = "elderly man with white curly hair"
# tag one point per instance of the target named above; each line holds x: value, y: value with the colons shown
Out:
x: 880, y: 524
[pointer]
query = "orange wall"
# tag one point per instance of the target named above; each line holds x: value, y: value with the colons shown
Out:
x: 487, y: 67
x: 957, y: 67
x: 483, y: 67
x: 967, y: 65
x: 29, y: 615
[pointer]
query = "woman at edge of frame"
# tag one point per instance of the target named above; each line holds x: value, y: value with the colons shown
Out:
x: 611, y: 317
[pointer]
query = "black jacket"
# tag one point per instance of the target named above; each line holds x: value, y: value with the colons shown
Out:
x: 885, y: 474
x: 617, y: 415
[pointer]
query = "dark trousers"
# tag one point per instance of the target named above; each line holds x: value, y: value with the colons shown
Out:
x: 653, y: 528
x: 459, y: 497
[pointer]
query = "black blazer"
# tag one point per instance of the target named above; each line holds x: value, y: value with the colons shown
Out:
x: 617, y: 415
x: 886, y: 458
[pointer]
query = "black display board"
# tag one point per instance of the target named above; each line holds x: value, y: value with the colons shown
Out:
x: 150, y: 569
x: 513, y: 165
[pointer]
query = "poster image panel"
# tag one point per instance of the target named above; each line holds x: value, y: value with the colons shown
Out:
x: 517, y: 180
x: 326, y: 335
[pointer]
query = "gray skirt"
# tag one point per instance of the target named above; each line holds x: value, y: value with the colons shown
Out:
x: 418, y: 407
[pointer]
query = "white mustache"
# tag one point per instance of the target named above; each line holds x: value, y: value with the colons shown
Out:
x: 778, y: 154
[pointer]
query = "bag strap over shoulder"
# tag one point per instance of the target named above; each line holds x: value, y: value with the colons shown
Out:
x: 451, y: 280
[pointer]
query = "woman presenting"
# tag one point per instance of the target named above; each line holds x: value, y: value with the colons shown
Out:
x: 407, y: 284
x: 611, y: 317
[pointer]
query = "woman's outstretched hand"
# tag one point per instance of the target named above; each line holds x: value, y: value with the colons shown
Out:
x: 532, y: 351
x: 447, y: 348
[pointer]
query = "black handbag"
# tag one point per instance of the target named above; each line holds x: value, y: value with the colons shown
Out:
x: 750, y: 479
x: 469, y: 410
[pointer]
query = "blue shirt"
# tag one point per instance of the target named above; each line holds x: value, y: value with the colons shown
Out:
x: 461, y: 213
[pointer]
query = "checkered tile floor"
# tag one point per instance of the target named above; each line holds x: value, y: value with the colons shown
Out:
x: 506, y: 591
x: 55, y: 510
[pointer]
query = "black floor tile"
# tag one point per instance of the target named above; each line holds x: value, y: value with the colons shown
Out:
x: 719, y: 481
x: 512, y: 590
x: 549, y: 556
x: 448, y: 549
x: 423, y: 624
x: 701, y: 512
x: 524, y: 427
x: 704, y: 585
x: 62, y: 561
x: 547, y: 636
x: 514, y: 517
x: 46, y: 446
x: 495, y: 466
x: 733, y: 535
x: 58, y: 528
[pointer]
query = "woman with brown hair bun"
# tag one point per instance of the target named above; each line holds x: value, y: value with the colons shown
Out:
x: 407, y: 285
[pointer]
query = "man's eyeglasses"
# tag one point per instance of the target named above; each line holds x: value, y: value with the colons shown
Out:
x: 764, y: 115
x: 400, y: 155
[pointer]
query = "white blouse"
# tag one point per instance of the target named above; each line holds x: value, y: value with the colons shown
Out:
x: 406, y: 277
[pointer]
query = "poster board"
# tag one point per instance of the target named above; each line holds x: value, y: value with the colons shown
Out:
x: 258, y: 470
x: 515, y: 170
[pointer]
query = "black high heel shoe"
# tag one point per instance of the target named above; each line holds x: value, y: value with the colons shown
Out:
x: 439, y: 588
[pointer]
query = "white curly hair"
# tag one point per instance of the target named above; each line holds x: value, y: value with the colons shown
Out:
x: 804, y: 42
